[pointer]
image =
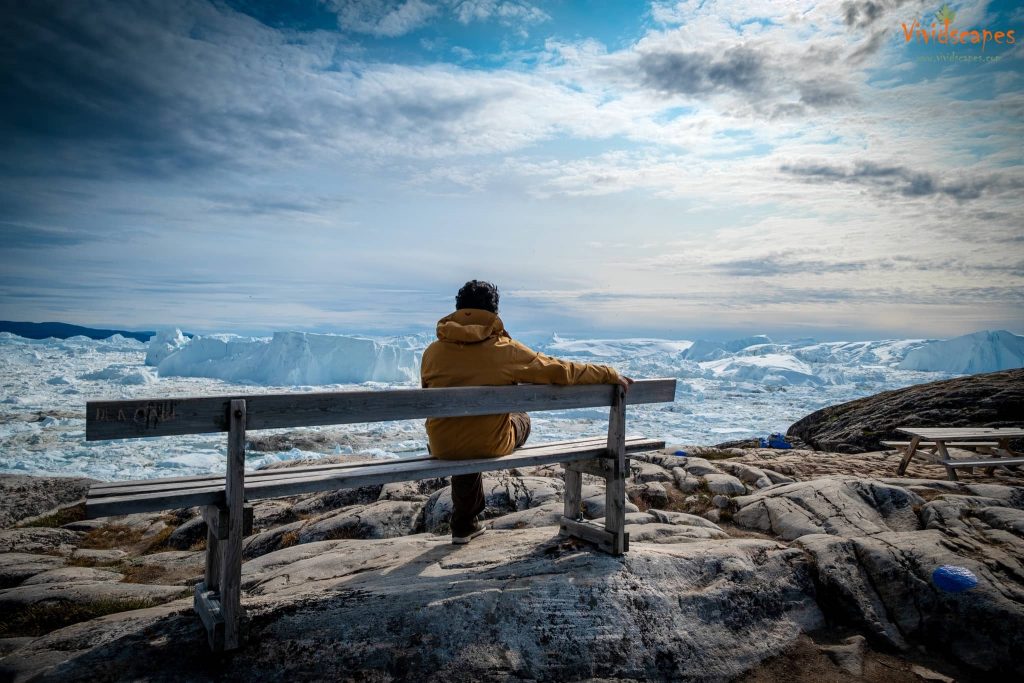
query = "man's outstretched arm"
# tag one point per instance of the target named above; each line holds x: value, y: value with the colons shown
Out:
x: 537, y: 368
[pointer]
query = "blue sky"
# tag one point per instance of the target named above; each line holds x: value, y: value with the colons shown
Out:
x: 676, y: 169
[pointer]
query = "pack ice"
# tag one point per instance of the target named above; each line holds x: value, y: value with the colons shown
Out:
x: 288, y: 358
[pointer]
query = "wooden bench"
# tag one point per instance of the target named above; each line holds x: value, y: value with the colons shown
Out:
x: 937, y: 439
x: 932, y: 447
x: 224, y: 499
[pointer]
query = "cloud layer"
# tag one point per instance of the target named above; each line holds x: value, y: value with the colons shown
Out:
x: 236, y: 172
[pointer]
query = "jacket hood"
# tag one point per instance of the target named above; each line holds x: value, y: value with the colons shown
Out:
x: 469, y: 326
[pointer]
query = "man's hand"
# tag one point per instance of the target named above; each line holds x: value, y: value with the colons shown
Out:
x: 624, y: 382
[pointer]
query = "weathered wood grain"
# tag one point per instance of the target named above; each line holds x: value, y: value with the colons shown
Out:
x: 214, y: 534
x: 983, y: 462
x: 231, y: 548
x: 293, y: 481
x: 572, y: 499
x: 950, y: 434
x: 217, y: 521
x: 615, y: 487
x: 206, y: 604
x: 602, y: 538
x: 959, y: 444
x: 908, y: 455
x: 183, y: 485
x: 166, y: 417
x: 121, y: 487
x: 598, y: 467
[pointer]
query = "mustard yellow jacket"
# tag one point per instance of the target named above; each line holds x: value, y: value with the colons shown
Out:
x: 473, y: 349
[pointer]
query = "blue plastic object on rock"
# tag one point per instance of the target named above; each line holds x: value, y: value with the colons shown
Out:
x: 682, y: 453
x: 953, y: 579
x: 774, y: 441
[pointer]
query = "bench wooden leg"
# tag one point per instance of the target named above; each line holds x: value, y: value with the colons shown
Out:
x: 207, y: 600
x: 908, y: 455
x: 231, y: 553
x: 950, y: 470
x: 218, y: 598
x: 615, y: 511
x: 573, y: 493
x: 613, y: 538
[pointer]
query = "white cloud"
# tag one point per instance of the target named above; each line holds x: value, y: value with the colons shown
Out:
x: 508, y: 12
x: 382, y: 17
x: 723, y: 168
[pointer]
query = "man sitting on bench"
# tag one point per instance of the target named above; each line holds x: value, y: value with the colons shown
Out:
x: 473, y: 349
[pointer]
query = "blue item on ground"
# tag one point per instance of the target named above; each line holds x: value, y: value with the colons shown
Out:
x: 682, y: 453
x: 953, y: 579
x: 774, y: 441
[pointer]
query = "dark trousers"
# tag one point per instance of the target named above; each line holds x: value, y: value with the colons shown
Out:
x: 468, y: 489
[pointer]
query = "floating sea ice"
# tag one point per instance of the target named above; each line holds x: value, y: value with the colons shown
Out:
x: 123, y: 374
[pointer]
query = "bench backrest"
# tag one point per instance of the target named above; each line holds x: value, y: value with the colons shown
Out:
x: 173, y: 416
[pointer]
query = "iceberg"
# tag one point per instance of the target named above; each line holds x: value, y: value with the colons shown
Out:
x: 774, y: 369
x: 291, y: 358
x: 163, y: 344
x: 703, y: 349
x: 987, y: 351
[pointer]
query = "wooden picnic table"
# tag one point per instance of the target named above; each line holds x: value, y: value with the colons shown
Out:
x: 999, y: 456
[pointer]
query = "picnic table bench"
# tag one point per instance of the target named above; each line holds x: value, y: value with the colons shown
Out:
x: 994, y: 441
x: 224, y: 500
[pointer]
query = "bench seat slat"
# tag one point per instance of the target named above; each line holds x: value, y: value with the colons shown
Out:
x: 109, y: 487
x: 951, y: 444
x: 182, y: 483
x: 983, y: 462
x: 296, y: 482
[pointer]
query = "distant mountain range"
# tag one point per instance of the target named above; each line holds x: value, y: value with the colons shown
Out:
x: 64, y: 330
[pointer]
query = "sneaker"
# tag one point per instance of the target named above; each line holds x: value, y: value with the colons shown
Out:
x: 464, y: 538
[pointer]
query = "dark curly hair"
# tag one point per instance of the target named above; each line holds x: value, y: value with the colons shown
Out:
x: 477, y: 294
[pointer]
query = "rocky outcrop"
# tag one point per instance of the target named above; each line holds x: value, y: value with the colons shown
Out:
x: 23, y: 497
x: 735, y: 556
x: 991, y: 400
x: 514, y: 605
x: 842, y: 506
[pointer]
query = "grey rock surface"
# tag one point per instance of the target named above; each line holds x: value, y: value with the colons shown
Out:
x: 333, y: 500
x: 690, y: 600
x: 99, y: 555
x: 503, y: 493
x: 188, y: 534
x: 419, y: 490
x: 82, y: 593
x: 517, y: 605
x: 37, y: 540
x: 883, y: 584
x: 380, y: 519
x: 643, y: 472
x: 697, y: 466
x: 849, y: 655
x: 25, y: 497
x: 549, y: 514
x: 650, y: 493
x: 17, y: 567
x: 684, y: 481
x: 724, y: 484
x: 73, y: 575
x: 833, y: 505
